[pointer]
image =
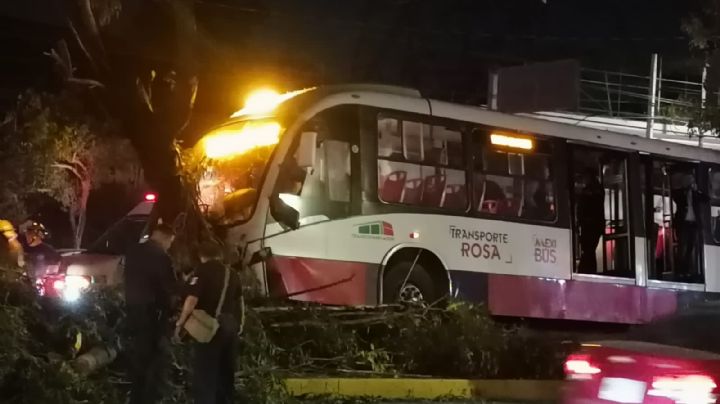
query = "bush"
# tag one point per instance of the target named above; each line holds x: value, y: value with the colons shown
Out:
x: 38, y: 339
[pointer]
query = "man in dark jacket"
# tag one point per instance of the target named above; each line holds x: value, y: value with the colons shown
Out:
x: 149, y: 288
x: 591, y: 220
x: 214, y: 362
x: 688, y: 201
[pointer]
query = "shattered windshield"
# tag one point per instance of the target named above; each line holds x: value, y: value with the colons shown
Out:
x: 237, y: 158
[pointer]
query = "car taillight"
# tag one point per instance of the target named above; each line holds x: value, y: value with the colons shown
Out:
x: 685, y: 389
x: 579, y: 367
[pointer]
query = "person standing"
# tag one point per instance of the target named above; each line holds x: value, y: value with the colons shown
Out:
x: 214, y: 288
x: 149, y: 288
x: 688, y: 201
x: 591, y: 220
x: 39, y: 254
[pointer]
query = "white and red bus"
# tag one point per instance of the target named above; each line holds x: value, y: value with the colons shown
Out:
x: 366, y: 194
x: 406, y: 197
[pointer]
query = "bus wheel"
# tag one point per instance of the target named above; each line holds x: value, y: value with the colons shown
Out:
x: 419, y: 287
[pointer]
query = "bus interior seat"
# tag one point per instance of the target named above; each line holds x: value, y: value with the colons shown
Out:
x: 509, y: 207
x: 392, y: 186
x: 455, y: 196
x: 412, y: 193
x: 433, y: 190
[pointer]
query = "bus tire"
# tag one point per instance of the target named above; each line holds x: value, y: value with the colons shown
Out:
x: 419, y: 287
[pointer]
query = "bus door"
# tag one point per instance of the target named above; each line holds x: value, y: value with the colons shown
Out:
x: 601, y: 227
x: 303, y: 263
x: 674, y: 221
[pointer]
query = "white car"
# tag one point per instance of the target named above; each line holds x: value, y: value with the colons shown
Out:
x: 102, y: 262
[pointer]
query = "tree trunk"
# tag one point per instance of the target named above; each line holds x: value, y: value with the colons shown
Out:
x: 73, y: 223
x: 82, y: 211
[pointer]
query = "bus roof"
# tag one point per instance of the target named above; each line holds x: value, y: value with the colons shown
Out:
x: 608, y: 132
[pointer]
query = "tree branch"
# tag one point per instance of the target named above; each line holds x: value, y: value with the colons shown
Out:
x: 68, y: 167
x: 86, y: 82
x: 82, y: 46
x: 88, y: 18
x: 66, y: 69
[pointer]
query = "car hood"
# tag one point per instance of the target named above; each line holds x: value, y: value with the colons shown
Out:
x: 649, y: 348
x: 89, y: 264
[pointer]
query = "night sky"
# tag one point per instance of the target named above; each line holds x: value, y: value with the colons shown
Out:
x: 445, y: 48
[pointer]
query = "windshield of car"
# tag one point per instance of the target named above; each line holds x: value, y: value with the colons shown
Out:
x: 120, y: 237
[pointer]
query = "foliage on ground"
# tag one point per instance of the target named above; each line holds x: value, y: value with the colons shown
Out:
x: 38, y: 340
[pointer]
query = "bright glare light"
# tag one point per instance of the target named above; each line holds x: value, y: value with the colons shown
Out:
x: 265, y: 101
x: 686, y: 389
x: 232, y: 142
x: 511, y: 141
x: 150, y: 197
x: 74, y: 285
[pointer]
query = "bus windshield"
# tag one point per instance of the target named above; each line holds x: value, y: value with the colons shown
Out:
x: 237, y: 156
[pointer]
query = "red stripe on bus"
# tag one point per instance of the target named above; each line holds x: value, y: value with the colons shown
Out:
x: 348, y: 280
x: 577, y: 300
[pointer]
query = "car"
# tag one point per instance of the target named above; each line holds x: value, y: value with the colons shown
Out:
x: 673, y: 360
x: 102, y: 262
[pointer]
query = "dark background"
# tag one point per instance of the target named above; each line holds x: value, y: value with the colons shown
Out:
x: 445, y: 48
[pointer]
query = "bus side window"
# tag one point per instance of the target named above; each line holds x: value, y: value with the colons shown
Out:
x: 428, y: 168
x: 714, y: 190
x: 513, y: 183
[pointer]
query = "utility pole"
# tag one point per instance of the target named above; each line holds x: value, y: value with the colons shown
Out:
x: 653, y: 94
x: 494, y: 83
x: 703, y: 97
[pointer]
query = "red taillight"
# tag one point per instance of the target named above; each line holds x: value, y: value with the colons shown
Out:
x: 150, y: 197
x: 580, y: 367
x: 696, y: 388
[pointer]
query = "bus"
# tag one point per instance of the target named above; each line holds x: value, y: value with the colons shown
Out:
x: 369, y: 194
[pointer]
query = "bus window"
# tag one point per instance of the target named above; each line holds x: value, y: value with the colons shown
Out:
x: 389, y: 140
x: 600, y: 230
x: 714, y: 190
x: 414, y: 135
x: 428, y: 172
x: 337, y: 156
x: 513, y: 183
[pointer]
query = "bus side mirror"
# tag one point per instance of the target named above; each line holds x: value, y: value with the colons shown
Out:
x: 305, y: 155
x: 286, y: 215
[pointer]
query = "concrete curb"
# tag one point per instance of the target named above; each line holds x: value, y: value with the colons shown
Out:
x: 510, y: 390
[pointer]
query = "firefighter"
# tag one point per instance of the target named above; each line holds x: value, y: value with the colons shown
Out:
x: 11, y: 251
x: 39, y: 254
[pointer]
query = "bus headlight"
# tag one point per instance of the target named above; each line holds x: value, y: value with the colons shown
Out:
x: 234, y: 141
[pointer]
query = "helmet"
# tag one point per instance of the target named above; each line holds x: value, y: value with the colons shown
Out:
x: 37, y: 228
x: 5, y: 225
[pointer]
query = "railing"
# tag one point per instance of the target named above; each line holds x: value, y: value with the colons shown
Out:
x: 624, y: 95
